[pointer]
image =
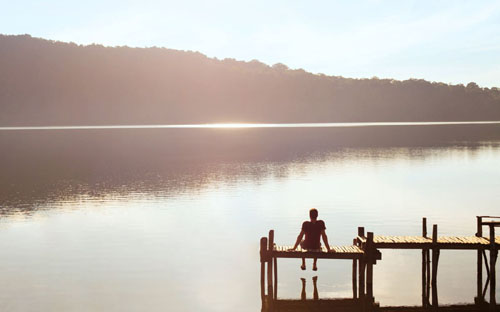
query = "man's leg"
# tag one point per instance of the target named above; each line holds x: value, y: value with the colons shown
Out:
x: 303, y: 266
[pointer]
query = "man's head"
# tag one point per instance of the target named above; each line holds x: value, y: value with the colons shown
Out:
x: 313, y: 213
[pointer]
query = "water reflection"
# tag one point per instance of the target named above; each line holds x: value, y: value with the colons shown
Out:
x: 43, y: 167
x: 303, y: 294
x: 28, y: 193
x: 162, y: 221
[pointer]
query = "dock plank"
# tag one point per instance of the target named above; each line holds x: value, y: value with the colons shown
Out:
x: 418, y: 242
x: 337, y: 252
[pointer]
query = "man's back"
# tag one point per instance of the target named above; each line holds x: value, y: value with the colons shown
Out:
x: 312, y: 231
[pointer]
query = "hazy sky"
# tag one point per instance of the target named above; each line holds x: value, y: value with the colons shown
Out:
x: 450, y: 41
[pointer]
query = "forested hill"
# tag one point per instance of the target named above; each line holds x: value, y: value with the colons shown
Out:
x: 44, y: 82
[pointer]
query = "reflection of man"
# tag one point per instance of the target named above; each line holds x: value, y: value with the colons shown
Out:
x: 312, y: 230
x: 315, y: 289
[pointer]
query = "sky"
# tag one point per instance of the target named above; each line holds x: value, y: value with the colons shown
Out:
x: 450, y: 41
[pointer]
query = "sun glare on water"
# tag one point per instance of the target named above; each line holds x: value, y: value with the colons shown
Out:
x: 235, y: 125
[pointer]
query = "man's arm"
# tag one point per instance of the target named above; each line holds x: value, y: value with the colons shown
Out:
x: 325, y: 240
x: 299, y: 239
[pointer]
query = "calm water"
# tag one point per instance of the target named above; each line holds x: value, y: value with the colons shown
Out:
x: 170, y: 219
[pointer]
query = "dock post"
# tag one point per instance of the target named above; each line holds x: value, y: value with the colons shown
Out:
x: 362, y: 282
x: 270, y: 293
x: 361, y: 266
x: 369, y: 269
x: 435, y: 259
x: 361, y: 231
x: 428, y: 280
x: 361, y: 279
x: 424, y: 265
x: 354, y: 275
x: 275, y: 278
x: 479, y: 298
x: 493, y: 260
x: 263, y: 255
x: 424, y: 227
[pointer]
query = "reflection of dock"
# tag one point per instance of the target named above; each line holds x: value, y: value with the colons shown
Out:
x: 365, y: 252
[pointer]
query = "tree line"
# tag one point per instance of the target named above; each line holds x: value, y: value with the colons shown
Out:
x: 45, y: 82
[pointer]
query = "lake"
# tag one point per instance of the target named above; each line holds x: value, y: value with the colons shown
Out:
x: 169, y: 219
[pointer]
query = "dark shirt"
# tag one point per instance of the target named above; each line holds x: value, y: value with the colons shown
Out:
x: 313, y: 234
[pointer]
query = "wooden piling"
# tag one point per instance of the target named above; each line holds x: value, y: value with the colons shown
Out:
x: 428, y: 278
x: 479, y: 297
x: 275, y: 278
x: 493, y: 260
x: 354, y: 276
x: 361, y: 267
x: 369, y: 267
x: 435, y: 259
x: 424, y: 227
x: 263, y: 254
x: 361, y: 231
x: 270, y: 293
x: 487, y: 283
x: 424, y: 279
x: 424, y: 265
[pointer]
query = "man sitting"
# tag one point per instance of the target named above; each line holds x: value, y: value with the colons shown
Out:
x: 313, y: 231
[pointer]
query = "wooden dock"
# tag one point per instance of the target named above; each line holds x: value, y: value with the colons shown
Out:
x: 364, y: 254
x: 419, y: 242
x: 337, y: 252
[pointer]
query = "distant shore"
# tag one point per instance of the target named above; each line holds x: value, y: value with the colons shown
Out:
x: 45, y: 82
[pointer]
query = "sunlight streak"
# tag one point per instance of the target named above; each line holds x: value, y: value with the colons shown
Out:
x: 254, y: 125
